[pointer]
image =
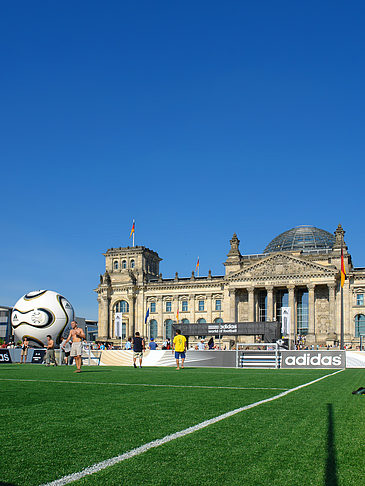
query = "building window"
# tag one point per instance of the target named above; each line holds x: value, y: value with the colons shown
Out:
x: 153, y: 328
x: 218, y: 305
x: 132, y: 264
x: 153, y: 306
x: 201, y: 321
x: 360, y: 299
x: 184, y: 321
x: 168, y: 306
x: 116, y: 265
x: 201, y: 305
x: 302, y: 312
x: 168, y: 328
x: 122, y: 306
x: 184, y: 307
x: 218, y: 320
x: 124, y: 264
x: 360, y: 325
x: 262, y: 301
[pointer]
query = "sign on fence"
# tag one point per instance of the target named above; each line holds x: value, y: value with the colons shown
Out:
x: 313, y: 359
x: 5, y: 356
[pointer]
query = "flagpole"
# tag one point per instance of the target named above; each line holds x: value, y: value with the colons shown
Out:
x: 342, y: 326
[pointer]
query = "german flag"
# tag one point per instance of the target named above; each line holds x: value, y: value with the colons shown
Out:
x: 132, y: 230
x: 197, y: 265
x: 343, y: 270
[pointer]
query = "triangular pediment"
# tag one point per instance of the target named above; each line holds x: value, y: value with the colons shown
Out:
x: 282, y: 266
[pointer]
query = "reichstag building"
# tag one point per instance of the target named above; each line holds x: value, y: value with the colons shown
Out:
x: 299, y: 269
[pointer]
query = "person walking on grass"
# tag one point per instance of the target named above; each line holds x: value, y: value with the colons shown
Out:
x: 50, y: 351
x: 138, y: 348
x: 179, y: 345
x: 77, y: 335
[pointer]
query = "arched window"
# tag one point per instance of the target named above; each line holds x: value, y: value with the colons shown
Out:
x: 218, y: 320
x: 168, y: 328
x: 132, y: 264
x: 116, y: 266
x: 185, y: 321
x: 153, y: 328
x: 124, y: 264
x: 359, y: 325
x: 122, y: 306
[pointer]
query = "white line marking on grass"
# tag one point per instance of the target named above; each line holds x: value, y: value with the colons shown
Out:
x: 168, y: 438
x: 142, y: 384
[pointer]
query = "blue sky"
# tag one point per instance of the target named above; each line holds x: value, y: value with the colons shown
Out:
x: 197, y: 119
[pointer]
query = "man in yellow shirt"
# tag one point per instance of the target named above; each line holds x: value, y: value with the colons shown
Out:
x: 179, y: 345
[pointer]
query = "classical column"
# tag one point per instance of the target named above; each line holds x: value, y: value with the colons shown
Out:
x: 251, y: 304
x: 192, y: 308
x: 232, y: 305
x: 270, y: 303
x: 160, y: 318
x: 209, y: 308
x: 103, y: 318
x: 332, y: 305
x: 132, y: 314
x: 176, y: 308
x: 291, y: 289
x: 311, y: 313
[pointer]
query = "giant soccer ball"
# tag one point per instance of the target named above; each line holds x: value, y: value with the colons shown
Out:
x: 40, y: 313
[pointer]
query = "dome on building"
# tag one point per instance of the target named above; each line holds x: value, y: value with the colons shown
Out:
x: 302, y: 238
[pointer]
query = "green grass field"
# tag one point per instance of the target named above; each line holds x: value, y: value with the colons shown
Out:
x: 55, y: 422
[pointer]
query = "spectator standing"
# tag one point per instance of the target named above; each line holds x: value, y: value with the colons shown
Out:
x: 50, y: 352
x: 152, y: 345
x: 138, y: 348
x: 66, y: 348
x: 24, y: 351
x: 201, y: 345
x: 128, y: 344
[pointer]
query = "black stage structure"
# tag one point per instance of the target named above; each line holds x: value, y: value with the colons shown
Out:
x: 269, y: 331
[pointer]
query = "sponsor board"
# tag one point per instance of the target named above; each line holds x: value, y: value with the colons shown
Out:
x: 5, y: 356
x: 313, y: 359
x: 222, y: 329
x: 38, y: 355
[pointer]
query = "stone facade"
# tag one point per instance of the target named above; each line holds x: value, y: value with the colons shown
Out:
x: 252, y: 289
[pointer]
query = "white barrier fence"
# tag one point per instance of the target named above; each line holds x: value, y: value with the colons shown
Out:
x: 245, y: 356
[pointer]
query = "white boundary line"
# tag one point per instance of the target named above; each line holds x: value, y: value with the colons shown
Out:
x: 141, y: 384
x: 168, y: 438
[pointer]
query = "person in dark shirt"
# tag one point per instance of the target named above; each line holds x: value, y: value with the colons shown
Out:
x: 138, y: 348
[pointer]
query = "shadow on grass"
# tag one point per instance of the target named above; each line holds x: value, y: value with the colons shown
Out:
x: 330, y: 478
x: 95, y: 371
x: 7, y: 484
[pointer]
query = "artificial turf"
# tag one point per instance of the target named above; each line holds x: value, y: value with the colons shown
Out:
x: 63, y: 422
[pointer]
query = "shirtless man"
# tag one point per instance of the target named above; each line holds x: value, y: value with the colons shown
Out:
x: 77, y: 335
x: 50, y: 351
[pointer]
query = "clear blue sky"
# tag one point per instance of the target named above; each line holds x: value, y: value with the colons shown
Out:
x: 198, y: 119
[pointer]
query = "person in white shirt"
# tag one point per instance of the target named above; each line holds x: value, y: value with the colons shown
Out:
x: 201, y: 345
x: 66, y: 348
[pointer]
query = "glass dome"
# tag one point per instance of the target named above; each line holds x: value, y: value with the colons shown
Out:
x: 301, y: 238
